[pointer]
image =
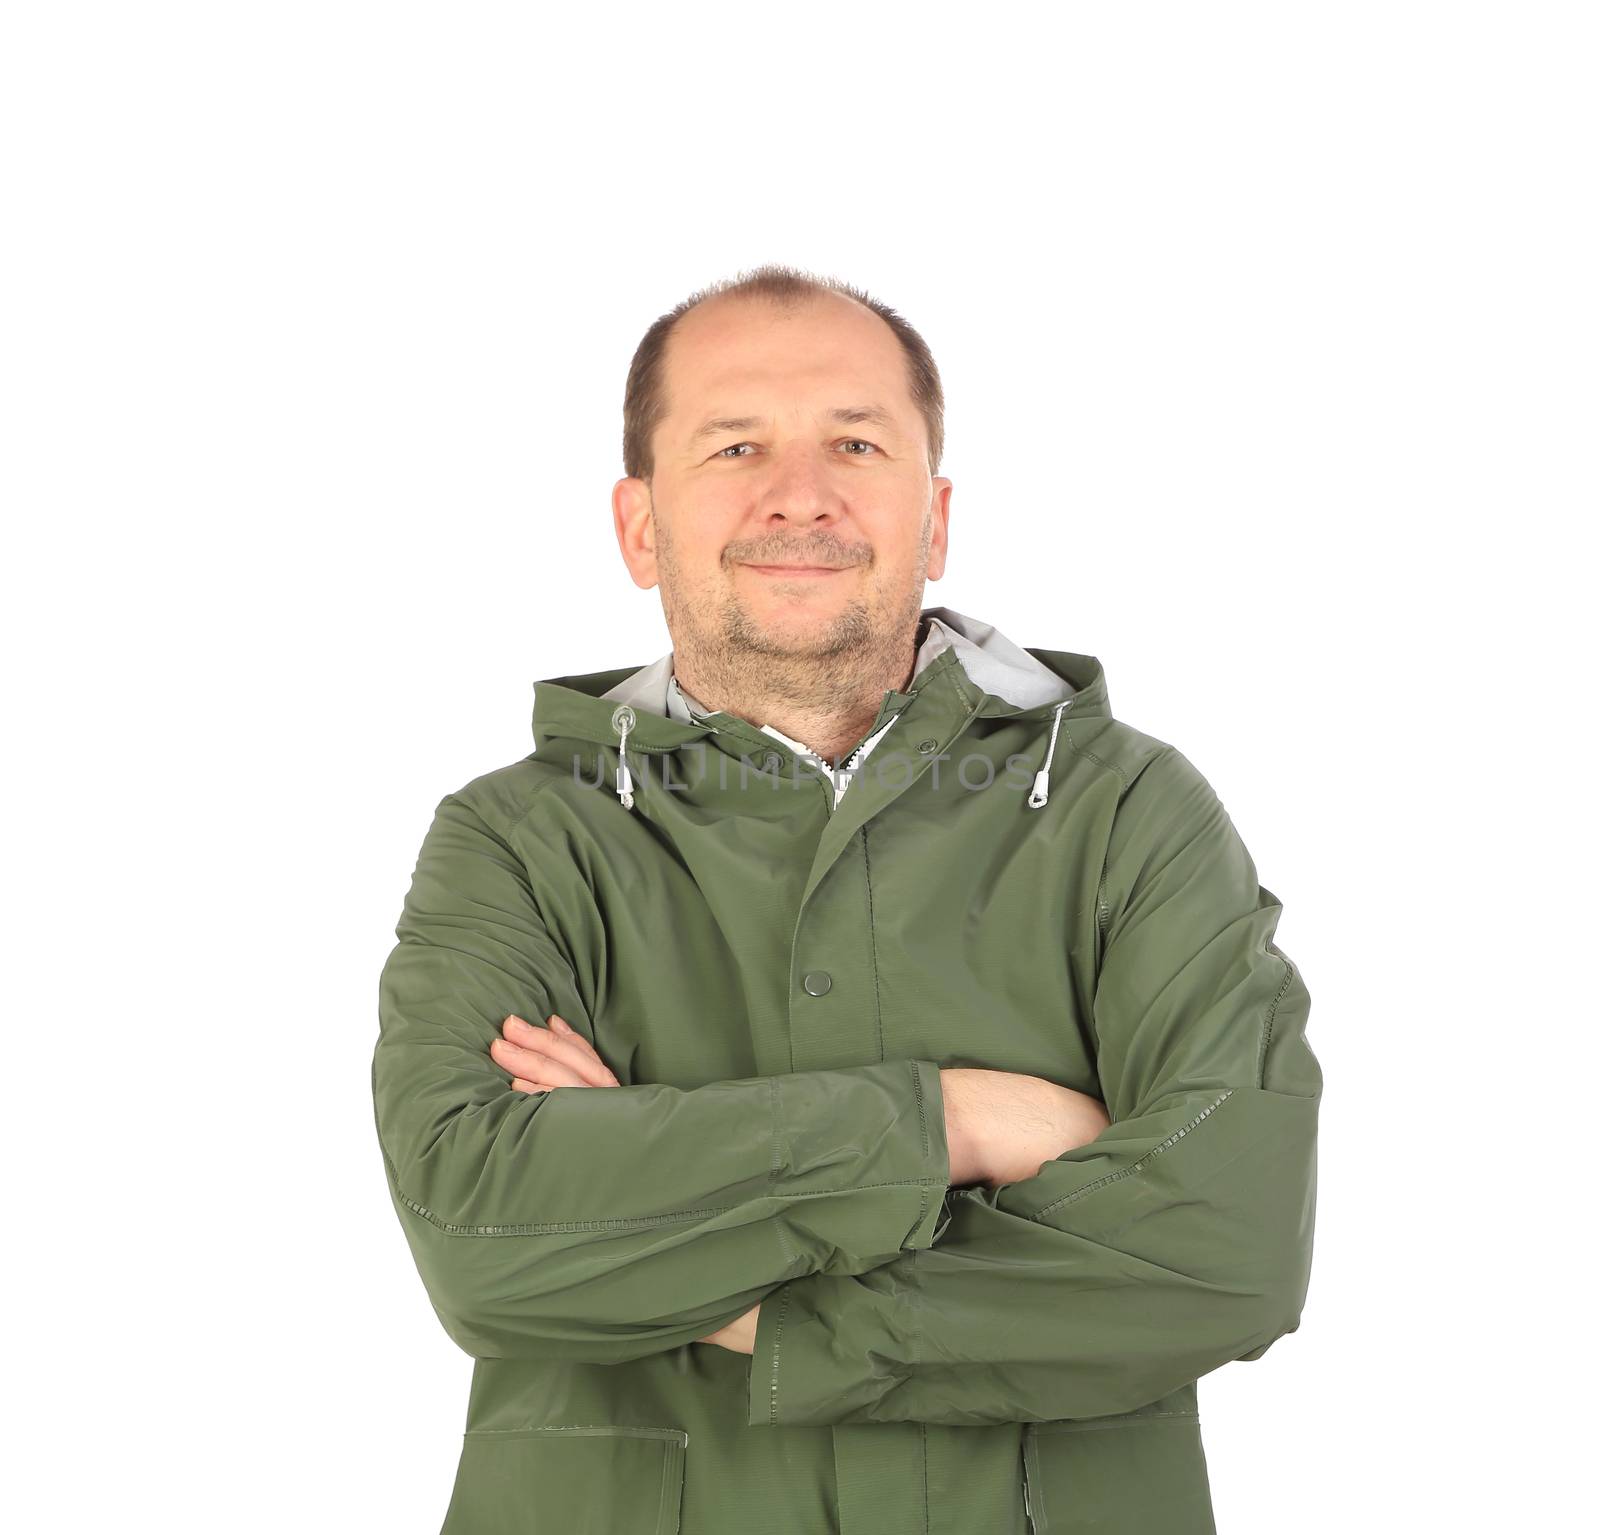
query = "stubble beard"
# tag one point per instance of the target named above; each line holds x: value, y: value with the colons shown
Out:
x: 735, y: 656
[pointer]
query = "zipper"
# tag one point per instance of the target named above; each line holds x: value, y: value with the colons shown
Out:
x: 826, y: 776
x: 850, y: 764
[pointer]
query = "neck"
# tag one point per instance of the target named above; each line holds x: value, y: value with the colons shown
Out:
x: 829, y: 702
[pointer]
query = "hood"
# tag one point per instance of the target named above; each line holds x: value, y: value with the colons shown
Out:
x: 627, y: 708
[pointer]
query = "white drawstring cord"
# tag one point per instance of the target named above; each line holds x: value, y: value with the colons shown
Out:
x: 1040, y: 792
x: 622, y: 719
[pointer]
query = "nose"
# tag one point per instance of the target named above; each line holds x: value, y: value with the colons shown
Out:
x: 801, y: 491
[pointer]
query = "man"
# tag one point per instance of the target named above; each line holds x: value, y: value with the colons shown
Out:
x: 842, y: 1080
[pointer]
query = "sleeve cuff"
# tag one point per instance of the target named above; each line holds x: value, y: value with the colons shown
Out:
x: 800, y: 1361
x: 936, y: 1165
x: 864, y: 1161
x: 830, y: 1349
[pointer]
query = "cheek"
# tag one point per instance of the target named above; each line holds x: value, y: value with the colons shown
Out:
x: 895, y: 557
x: 894, y: 520
x: 702, y: 528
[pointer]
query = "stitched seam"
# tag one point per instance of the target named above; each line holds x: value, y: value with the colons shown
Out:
x: 776, y: 1170
x: 661, y: 1502
x: 1102, y: 912
x: 924, y: 1444
x: 922, y: 1118
x: 872, y: 942
x: 777, y: 1334
x: 616, y: 1223
x: 959, y: 677
x: 622, y: 1223
x: 1153, y: 1152
x: 944, y: 662
x: 783, y: 1244
x: 656, y: 750
x: 1083, y: 751
x: 1267, y: 1022
x: 927, y: 1150
x: 504, y: 836
x: 915, y: 1353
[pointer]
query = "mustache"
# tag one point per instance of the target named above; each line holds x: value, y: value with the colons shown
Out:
x: 808, y: 551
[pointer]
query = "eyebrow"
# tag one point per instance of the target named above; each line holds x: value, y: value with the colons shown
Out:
x: 842, y: 415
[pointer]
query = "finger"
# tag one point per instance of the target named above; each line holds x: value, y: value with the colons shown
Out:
x: 543, y: 1074
x: 589, y: 1068
x: 543, y: 1079
x: 522, y: 1085
x: 560, y: 1026
x: 534, y: 1066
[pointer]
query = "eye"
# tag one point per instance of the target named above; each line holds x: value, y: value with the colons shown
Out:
x: 722, y: 452
x: 860, y: 442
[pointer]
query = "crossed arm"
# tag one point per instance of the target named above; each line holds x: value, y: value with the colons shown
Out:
x: 559, y: 1056
x: 999, y: 1125
x: 882, y: 1281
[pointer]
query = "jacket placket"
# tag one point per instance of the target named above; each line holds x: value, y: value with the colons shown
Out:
x: 834, y: 1021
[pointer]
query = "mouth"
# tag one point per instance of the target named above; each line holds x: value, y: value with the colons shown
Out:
x: 791, y: 571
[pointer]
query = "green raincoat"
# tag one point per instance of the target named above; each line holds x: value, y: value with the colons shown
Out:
x: 776, y: 974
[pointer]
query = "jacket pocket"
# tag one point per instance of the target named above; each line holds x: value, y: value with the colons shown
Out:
x: 1138, y: 1473
x: 589, y: 1479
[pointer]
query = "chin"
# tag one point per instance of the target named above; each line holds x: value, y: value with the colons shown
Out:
x: 802, y: 628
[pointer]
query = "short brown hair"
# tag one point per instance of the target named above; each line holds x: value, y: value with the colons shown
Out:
x: 644, y: 403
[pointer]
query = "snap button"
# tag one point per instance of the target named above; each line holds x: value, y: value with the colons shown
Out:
x: 927, y: 746
x: 817, y: 982
x: 771, y: 762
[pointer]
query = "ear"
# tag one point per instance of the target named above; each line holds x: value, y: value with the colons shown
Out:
x: 939, y: 534
x: 631, y: 515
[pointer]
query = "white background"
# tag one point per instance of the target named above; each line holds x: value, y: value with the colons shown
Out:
x: 1269, y: 334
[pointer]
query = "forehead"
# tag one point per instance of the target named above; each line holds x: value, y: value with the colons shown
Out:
x: 743, y: 354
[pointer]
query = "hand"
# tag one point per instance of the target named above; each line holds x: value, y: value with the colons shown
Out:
x: 738, y: 1335
x: 557, y: 1056
x: 1003, y: 1126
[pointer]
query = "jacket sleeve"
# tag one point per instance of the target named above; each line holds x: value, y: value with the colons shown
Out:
x: 1176, y: 1241
x: 602, y: 1226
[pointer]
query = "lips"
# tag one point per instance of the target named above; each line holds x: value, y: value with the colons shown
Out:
x: 817, y: 570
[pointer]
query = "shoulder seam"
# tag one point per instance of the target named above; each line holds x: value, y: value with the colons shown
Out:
x: 506, y: 834
x: 1083, y: 751
x: 1102, y: 912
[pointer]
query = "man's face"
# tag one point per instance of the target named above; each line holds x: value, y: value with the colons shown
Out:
x: 792, y: 510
